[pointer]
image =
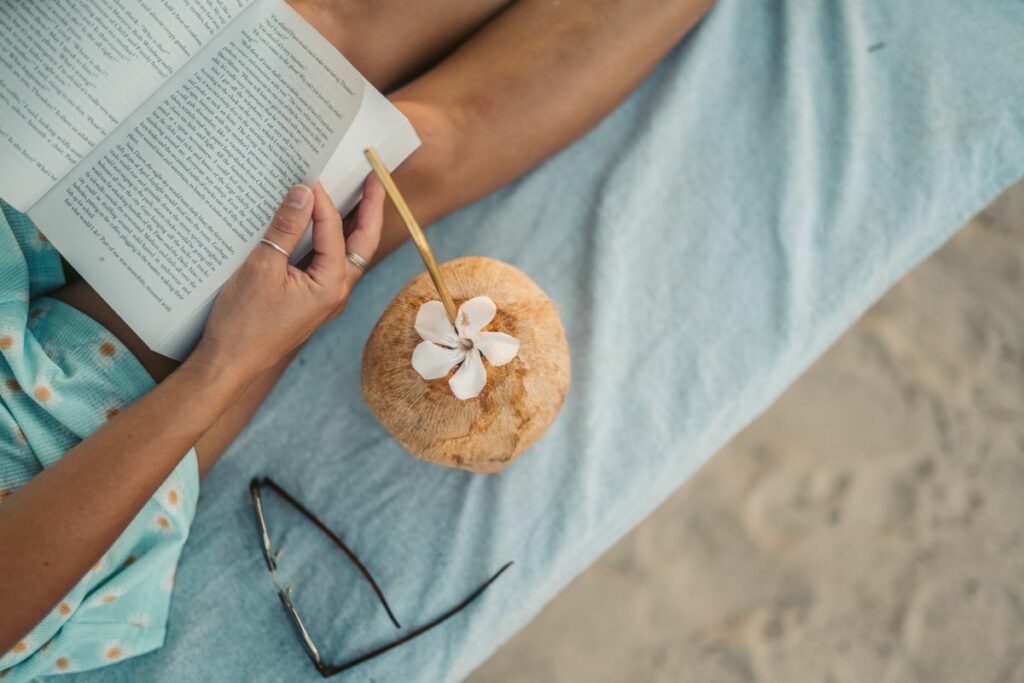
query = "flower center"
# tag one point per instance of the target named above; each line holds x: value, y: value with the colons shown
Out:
x: 465, y: 344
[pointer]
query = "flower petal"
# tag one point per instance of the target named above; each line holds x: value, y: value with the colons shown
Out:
x: 432, y: 324
x: 433, y: 361
x: 470, y: 379
x: 474, y: 314
x: 498, y: 347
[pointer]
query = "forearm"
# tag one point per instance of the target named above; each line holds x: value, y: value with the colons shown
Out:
x: 64, y: 519
x: 219, y: 436
x: 222, y: 433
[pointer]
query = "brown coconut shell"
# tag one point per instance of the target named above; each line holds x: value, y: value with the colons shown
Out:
x: 520, y: 400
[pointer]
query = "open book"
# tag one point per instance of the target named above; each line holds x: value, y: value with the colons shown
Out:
x: 151, y: 141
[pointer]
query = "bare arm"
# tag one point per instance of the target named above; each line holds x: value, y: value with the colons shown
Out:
x: 63, y: 520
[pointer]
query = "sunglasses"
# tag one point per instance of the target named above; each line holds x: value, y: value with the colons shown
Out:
x: 256, y: 488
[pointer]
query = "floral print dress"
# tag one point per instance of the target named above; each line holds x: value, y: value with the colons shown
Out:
x: 62, y: 375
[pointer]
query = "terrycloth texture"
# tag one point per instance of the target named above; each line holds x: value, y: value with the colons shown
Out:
x: 782, y: 169
x: 62, y: 376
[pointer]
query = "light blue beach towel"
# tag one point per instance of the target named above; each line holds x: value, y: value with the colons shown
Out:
x: 779, y: 171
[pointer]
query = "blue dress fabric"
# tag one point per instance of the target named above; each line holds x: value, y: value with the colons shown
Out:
x: 62, y: 375
x: 775, y: 175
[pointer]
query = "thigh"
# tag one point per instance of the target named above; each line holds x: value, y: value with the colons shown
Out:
x: 390, y: 41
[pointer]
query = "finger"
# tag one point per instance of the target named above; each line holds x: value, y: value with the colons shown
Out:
x: 290, y: 222
x: 365, y: 235
x: 328, y: 240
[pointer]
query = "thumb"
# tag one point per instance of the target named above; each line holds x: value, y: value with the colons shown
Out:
x: 292, y: 218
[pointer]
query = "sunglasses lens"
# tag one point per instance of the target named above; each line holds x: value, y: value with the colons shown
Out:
x: 300, y: 628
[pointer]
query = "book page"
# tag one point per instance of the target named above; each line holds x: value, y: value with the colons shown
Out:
x: 378, y: 124
x: 71, y: 71
x: 164, y: 210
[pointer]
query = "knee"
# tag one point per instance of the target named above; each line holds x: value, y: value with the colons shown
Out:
x: 428, y: 177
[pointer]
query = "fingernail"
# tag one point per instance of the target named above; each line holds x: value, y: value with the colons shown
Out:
x: 298, y: 197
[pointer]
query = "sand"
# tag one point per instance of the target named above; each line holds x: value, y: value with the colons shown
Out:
x: 869, y: 527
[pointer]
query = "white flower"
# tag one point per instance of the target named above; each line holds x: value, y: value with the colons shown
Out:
x: 138, y: 620
x: 445, y: 346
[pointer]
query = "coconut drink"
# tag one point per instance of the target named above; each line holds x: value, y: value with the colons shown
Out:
x: 468, y: 365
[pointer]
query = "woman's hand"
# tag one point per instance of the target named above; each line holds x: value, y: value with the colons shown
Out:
x: 268, y: 308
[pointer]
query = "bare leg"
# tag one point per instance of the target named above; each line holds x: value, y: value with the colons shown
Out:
x: 531, y: 81
x: 537, y: 75
x: 390, y: 41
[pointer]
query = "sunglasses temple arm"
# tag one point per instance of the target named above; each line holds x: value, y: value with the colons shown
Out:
x: 326, y: 671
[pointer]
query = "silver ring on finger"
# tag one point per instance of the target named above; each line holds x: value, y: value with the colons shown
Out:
x: 357, y: 260
x: 276, y: 247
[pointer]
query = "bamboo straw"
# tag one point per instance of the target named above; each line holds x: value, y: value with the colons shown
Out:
x: 414, y: 230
